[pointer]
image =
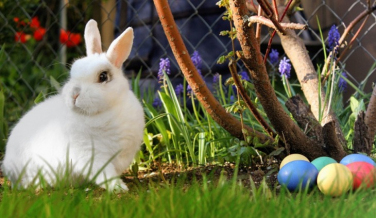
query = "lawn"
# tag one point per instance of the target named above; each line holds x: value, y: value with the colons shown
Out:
x: 184, y: 196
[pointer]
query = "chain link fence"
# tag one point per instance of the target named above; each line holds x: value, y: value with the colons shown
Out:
x: 36, y: 52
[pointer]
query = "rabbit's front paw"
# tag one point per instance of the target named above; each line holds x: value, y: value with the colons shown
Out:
x: 116, y: 186
x: 120, y: 187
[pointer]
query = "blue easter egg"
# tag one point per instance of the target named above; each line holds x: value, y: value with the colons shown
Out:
x: 298, y: 173
x: 356, y: 158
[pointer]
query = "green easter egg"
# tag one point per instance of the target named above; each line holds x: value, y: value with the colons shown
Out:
x: 321, y: 162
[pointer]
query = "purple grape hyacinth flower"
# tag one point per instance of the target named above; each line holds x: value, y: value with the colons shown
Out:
x: 232, y: 99
x: 196, y: 59
x: 342, y: 83
x: 189, y: 89
x: 333, y: 38
x: 234, y: 94
x: 164, y: 66
x: 245, y: 76
x: 285, y: 67
x: 179, y: 89
x: 157, y: 102
x: 197, y: 62
x: 274, y: 56
x: 216, y: 78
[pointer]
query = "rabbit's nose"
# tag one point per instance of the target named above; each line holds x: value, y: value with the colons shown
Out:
x: 76, y: 92
x: 75, y: 96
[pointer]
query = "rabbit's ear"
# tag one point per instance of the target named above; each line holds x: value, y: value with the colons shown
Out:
x: 92, y: 38
x: 120, y: 48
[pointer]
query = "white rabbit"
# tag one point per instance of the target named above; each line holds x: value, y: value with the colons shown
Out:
x: 96, y: 117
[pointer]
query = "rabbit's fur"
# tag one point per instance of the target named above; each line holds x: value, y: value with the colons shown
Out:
x: 96, y: 117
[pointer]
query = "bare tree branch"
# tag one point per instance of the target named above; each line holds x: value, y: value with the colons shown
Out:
x: 273, y: 34
x: 253, y: 60
x: 203, y: 94
x: 248, y: 101
x: 265, y: 21
x: 348, y: 29
x: 268, y: 10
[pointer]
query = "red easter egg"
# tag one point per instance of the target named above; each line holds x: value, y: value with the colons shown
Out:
x: 364, y: 174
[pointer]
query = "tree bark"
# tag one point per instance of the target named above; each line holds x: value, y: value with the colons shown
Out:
x: 253, y: 60
x: 361, y: 141
x: 305, y: 119
x: 331, y: 142
x: 370, y: 119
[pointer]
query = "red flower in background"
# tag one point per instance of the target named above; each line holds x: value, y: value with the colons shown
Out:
x: 21, y: 37
x: 39, y: 33
x: 69, y: 39
x: 34, y: 24
x: 63, y: 36
x: 19, y: 22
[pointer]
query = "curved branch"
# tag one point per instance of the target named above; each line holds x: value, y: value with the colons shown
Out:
x: 265, y: 21
x: 268, y: 10
x: 202, y: 92
x: 248, y: 101
x: 253, y: 60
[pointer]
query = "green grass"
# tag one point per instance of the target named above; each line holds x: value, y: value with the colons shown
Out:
x: 176, y: 134
x: 201, y: 199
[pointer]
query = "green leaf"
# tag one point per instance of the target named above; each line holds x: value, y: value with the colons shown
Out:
x: 224, y: 32
x: 230, y: 81
x: 148, y: 143
x: 201, y: 148
x: 39, y: 98
x: 55, y: 83
x: 297, y: 8
x: 136, y: 86
x: 175, y: 108
x: 221, y: 59
x: 354, y: 103
x: 156, y: 118
x: 276, y: 152
x: 357, y: 106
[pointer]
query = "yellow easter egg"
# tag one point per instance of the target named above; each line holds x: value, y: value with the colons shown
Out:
x: 292, y: 157
x: 334, y: 179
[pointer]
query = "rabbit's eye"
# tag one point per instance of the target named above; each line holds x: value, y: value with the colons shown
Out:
x: 103, y: 77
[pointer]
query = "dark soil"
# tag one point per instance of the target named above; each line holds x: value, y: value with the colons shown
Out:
x: 167, y: 174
